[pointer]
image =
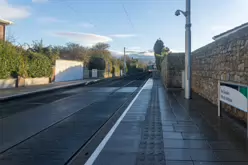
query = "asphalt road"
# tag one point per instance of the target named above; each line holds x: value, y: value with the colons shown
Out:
x: 55, y: 128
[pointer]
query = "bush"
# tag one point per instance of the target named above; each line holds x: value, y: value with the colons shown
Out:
x: 97, y: 63
x: 37, y: 61
x: 15, y: 61
x: 11, y: 60
x: 39, y: 65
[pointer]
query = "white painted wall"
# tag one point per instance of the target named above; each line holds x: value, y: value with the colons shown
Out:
x: 66, y: 70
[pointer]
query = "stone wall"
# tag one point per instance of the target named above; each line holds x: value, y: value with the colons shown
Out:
x: 171, y: 70
x: 7, y: 83
x: 225, y: 59
x: 22, y: 82
x: 36, y: 81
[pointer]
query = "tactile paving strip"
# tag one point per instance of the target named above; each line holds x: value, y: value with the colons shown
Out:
x: 151, y: 148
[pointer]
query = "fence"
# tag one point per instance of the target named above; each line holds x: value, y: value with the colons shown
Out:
x: 91, y: 74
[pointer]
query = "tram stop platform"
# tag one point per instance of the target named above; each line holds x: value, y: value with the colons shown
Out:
x: 160, y: 127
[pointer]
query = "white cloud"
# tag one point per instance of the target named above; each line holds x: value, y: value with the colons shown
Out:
x: 83, y: 38
x: 134, y: 48
x: 138, y: 51
x: 39, y: 1
x: 123, y: 35
x: 133, y: 52
x: 8, y: 11
x: 50, y: 20
x: 86, y: 25
x: 116, y: 53
x: 148, y: 53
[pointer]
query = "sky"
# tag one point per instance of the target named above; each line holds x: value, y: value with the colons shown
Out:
x: 134, y: 24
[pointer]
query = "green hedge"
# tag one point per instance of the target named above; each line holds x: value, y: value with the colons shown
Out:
x: 10, y: 60
x: 39, y: 65
x: 15, y: 61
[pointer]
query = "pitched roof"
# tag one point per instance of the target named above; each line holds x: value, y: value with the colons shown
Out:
x: 6, y: 22
x: 230, y: 31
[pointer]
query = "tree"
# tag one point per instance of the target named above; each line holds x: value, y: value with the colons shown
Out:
x: 97, y: 63
x: 165, y: 51
x: 37, y: 47
x: 50, y: 51
x: 158, y: 46
x: 101, y: 50
x: 160, y: 51
x: 101, y: 46
x: 73, y: 51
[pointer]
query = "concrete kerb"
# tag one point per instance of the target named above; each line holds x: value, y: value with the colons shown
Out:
x: 40, y: 91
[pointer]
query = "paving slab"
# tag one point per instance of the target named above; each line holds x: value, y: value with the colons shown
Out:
x: 161, y: 127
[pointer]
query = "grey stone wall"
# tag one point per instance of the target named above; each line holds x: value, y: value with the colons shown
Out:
x: 171, y: 70
x: 225, y: 59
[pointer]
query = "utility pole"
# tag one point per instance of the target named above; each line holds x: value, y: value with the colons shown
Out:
x: 124, y: 61
x: 188, y: 51
x: 187, y: 79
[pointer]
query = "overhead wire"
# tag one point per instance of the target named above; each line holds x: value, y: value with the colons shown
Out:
x: 113, y: 1
x: 131, y: 23
x: 128, y: 17
x: 76, y: 12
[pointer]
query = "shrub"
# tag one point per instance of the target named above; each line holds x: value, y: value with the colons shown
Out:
x: 39, y: 65
x: 97, y: 63
x: 11, y: 60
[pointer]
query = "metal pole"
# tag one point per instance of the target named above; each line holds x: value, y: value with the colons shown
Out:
x: 219, y: 103
x: 124, y: 61
x: 188, y: 52
x: 108, y: 69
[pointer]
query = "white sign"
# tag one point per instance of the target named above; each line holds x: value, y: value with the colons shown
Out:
x: 233, y: 97
x: 94, y: 73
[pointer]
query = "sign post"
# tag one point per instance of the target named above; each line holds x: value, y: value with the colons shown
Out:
x: 219, y: 103
x: 235, y: 95
x: 108, y: 69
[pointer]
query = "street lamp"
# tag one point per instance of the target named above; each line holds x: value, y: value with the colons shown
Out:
x: 125, y: 65
x: 187, y: 49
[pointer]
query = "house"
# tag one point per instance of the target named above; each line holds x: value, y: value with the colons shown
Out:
x: 3, y: 24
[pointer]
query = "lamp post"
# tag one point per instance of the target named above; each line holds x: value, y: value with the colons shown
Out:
x: 124, y: 62
x: 187, y: 14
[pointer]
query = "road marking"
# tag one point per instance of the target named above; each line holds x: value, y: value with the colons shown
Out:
x: 149, y: 84
x: 99, y: 148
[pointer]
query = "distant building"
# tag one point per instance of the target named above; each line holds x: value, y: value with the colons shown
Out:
x: 3, y: 24
x: 231, y: 31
